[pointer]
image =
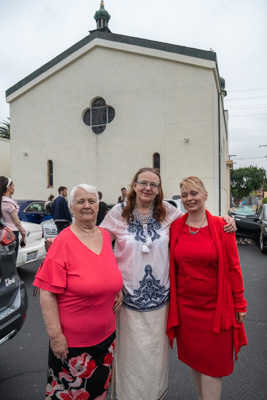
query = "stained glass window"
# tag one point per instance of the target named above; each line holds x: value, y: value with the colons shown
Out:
x: 99, y: 115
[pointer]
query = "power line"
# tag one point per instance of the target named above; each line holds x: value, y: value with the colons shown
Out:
x: 245, y: 90
x: 245, y: 98
x: 254, y: 129
x: 249, y: 158
x: 247, y: 107
x: 245, y: 115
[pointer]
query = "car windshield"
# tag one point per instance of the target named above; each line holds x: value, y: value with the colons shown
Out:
x: 245, y: 210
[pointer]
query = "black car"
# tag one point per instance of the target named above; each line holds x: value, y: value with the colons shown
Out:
x: 13, y: 295
x: 252, y: 224
x: 262, y: 214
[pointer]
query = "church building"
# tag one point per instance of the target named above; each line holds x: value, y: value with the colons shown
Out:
x: 112, y: 104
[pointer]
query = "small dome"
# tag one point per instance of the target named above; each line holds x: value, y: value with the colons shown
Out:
x: 222, y: 83
x: 102, y: 13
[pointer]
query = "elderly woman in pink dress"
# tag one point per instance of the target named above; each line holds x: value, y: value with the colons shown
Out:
x: 80, y: 292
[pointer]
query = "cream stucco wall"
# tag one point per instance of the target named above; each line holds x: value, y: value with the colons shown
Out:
x: 158, y: 102
x: 5, y: 157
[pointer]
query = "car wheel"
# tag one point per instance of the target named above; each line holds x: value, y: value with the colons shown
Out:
x: 263, y: 244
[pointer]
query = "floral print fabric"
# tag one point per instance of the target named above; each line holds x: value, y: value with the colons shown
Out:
x: 84, y: 375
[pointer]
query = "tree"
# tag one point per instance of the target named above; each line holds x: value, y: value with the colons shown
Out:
x: 246, y: 180
x: 5, y: 129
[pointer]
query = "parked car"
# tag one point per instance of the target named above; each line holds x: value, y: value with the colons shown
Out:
x: 31, y: 210
x: 262, y: 214
x: 177, y: 203
x: 252, y: 224
x: 35, y: 244
x: 13, y: 295
x: 49, y: 228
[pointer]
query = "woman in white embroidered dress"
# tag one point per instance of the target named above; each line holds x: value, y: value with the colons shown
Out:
x: 141, y: 229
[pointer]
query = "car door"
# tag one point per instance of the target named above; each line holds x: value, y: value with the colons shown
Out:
x: 35, y: 212
x: 13, y: 295
x: 248, y: 226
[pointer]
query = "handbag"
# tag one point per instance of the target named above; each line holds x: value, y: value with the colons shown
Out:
x: 6, y: 235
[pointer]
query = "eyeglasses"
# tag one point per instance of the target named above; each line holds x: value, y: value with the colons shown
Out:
x: 144, y: 184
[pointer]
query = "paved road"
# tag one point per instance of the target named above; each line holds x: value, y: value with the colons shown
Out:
x: 23, y: 359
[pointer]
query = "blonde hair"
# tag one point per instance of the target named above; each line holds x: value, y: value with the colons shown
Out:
x: 193, y: 182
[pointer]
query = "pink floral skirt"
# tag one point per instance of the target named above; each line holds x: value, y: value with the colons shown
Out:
x: 84, y: 375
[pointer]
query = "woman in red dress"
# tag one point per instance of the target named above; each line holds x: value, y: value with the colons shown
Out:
x: 207, y: 307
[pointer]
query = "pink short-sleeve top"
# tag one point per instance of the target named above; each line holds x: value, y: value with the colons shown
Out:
x: 7, y: 207
x: 86, y: 285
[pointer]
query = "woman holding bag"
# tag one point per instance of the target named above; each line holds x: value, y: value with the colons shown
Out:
x: 9, y: 210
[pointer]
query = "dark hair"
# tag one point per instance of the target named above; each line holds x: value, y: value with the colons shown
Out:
x: 61, y: 188
x: 50, y: 197
x: 100, y: 195
x: 3, y: 187
x: 159, y: 208
x: 123, y: 189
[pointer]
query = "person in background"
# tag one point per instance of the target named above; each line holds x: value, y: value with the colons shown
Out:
x: 48, y: 207
x: 207, y: 307
x: 141, y: 233
x: 122, y: 198
x: 102, y: 210
x: 80, y: 293
x: 49, y: 204
x: 60, y: 210
x: 9, y: 211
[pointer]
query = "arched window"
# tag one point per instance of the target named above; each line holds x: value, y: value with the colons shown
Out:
x: 49, y: 173
x: 156, y: 161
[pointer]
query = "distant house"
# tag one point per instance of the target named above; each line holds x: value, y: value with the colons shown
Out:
x: 112, y: 104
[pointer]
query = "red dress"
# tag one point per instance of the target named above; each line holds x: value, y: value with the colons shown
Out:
x: 197, y: 286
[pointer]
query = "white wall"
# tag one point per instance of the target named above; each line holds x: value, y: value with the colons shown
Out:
x: 157, y: 102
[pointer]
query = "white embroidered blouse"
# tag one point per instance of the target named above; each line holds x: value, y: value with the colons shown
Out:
x: 145, y: 275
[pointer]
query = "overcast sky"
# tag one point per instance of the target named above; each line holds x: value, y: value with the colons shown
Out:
x: 32, y: 32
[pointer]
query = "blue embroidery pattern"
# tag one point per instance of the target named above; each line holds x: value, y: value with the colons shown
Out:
x: 150, y: 295
x: 152, y: 227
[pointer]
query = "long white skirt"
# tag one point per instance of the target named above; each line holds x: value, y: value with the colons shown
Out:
x: 140, y: 370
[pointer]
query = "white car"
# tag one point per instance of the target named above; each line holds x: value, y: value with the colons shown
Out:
x: 49, y: 228
x: 177, y: 203
x: 35, y: 246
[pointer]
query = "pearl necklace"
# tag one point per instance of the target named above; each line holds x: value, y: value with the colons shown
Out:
x: 143, y: 219
x: 195, y: 232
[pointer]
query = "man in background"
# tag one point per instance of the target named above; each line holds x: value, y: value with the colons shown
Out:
x: 102, y: 211
x: 60, y: 209
x: 123, y: 196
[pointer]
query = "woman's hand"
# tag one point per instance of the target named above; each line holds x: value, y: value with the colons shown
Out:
x: 22, y: 241
x: 240, y: 316
x: 59, y: 346
x: 118, y: 302
x: 230, y: 226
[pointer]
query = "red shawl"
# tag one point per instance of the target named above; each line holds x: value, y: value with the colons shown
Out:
x: 230, y: 282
